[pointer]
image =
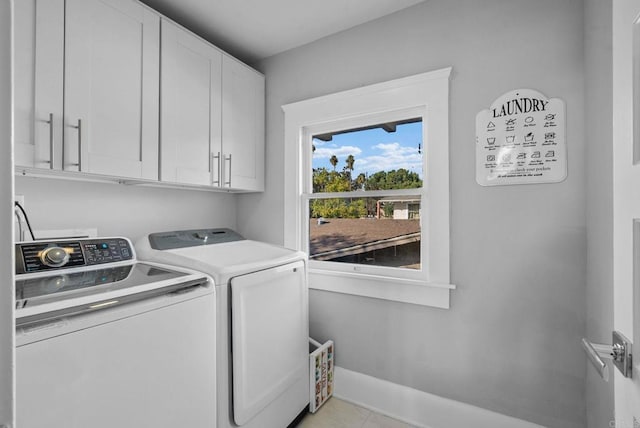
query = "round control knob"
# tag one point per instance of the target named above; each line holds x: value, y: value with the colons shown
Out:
x: 54, y: 257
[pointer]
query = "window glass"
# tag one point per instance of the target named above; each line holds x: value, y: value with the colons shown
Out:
x: 371, y: 231
x: 381, y: 229
x: 379, y: 157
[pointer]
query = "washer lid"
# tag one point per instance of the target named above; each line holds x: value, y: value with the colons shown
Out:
x: 52, y: 295
x: 41, y: 289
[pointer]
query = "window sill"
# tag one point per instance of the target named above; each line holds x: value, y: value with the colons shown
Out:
x: 379, y: 287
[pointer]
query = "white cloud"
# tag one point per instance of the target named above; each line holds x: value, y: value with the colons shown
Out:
x: 392, y: 156
x: 389, y: 147
x: 340, y: 152
x: 395, y: 149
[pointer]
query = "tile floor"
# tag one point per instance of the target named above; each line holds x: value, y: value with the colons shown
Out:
x: 337, y: 413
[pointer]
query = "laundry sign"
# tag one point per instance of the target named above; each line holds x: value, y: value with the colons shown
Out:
x: 520, y: 139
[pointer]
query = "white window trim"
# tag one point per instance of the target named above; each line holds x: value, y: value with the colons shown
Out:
x: 427, y: 93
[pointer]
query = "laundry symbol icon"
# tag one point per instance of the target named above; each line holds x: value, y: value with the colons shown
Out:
x: 528, y: 137
x: 491, y: 140
x: 510, y: 122
x: 550, y: 154
x: 522, y: 156
x: 550, y: 117
x: 511, y: 139
x: 528, y: 119
x: 550, y: 135
x: 491, y: 158
x: 506, y: 157
x: 491, y: 125
x: 535, y: 155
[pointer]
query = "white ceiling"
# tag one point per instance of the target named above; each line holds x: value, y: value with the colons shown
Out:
x: 256, y: 29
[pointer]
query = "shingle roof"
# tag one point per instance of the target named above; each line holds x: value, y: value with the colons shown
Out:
x: 339, y: 233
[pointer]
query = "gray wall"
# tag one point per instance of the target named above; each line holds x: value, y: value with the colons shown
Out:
x: 511, y: 341
x: 6, y: 217
x: 120, y: 210
x: 599, y: 179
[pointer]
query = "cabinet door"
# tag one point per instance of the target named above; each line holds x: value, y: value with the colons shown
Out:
x: 190, y: 108
x: 242, y: 126
x: 38, y: 82
x: 111, y: 88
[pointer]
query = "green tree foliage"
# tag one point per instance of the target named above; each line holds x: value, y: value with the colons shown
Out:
x: 325, y: 181
x: 388, y: 210
x: 338, y: 182
x: 320, y: 179
x: 330, y: 181
x: 333, y: 181
x: 338, y: 208
x: 360, y: 180
x: 394, y: 179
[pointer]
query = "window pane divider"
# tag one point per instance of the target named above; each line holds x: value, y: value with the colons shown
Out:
x: 365, y: 194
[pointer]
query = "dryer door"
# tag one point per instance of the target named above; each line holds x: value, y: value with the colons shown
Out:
x: 270, y: 334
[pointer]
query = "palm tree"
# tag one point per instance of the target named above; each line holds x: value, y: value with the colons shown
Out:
x: 350, y: 161
x: 334, y: 161
x: 349, y: 169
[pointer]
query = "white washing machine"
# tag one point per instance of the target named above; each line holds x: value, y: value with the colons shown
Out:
x: 104, y: 341
x: 262, y: 321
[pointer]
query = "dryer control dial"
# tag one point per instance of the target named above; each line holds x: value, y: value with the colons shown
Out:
x: 54, y: 256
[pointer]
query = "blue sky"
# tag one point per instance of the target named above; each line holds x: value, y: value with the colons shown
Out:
x: 374, y: 150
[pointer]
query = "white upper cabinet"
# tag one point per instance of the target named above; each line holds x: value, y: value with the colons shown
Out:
x: 190, y: 108
x: 111, y: 88
x: 98, y: 62
x: 242, y: 126
x: 38, y: 83
x: 211, y: 115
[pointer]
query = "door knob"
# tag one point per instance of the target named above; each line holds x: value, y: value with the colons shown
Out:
x: 617, y: 352
x: 620, y: 355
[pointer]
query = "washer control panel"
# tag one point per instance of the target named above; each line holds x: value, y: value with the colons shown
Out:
x: 39, y: 256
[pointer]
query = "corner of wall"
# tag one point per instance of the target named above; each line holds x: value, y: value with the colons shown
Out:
x: 599, y: 202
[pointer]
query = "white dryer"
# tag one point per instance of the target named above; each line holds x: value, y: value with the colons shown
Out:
x: 262, y: 321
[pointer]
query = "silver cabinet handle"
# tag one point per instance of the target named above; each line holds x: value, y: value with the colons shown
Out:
x: 228, y: 159
x: 51, y: 151
x: 79, y: 128
x: 216, y: 157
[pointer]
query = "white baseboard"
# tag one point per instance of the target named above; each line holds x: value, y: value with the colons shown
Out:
x: 416, y: 407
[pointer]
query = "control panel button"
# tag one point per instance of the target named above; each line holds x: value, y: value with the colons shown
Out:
x: 105, y: 251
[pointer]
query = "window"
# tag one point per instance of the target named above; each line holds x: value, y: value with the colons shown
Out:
x: 367, y: 189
